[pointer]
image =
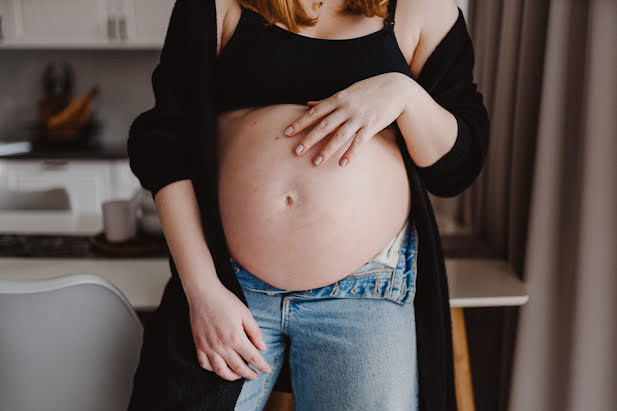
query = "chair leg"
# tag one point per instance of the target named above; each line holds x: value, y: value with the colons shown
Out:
x: 462, y: 369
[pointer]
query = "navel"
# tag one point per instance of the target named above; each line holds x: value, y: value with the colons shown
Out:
x: 289, y: 200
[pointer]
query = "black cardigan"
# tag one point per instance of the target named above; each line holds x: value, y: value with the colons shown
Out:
x: 175, y: 140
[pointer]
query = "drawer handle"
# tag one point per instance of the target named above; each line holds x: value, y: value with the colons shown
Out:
x: 54, y: 163
x: 122, y: 27
x: 111, y: 27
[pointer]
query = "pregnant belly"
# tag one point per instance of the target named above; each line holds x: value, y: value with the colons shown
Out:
x: 295, y: 225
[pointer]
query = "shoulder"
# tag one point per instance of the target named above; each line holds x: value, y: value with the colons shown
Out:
x: 434, y: 19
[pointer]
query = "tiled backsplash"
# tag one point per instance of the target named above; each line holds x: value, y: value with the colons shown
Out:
x: 122, y: 75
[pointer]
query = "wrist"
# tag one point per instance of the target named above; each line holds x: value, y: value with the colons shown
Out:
x: 199, y: 281
x: 199, y: 292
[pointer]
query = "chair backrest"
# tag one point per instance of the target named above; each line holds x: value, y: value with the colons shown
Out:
x: 66, y: 343
x: 56, y: 198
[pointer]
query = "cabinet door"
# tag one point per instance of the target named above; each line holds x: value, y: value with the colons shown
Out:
x: 57, y: 23
x: 6, y: 23
x: 147, y: 21
x: 88, y: 183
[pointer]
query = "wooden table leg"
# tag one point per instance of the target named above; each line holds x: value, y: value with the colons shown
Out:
x: 462, y: 369
x: 280, y: 401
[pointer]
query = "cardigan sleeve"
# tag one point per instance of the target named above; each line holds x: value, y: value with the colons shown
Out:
x: 158, y: 139
x: 447, y: 76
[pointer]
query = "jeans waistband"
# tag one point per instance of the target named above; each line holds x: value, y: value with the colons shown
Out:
x: 372, y: 280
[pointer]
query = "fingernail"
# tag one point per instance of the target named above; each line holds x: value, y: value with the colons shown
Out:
x: 289, y: 130
x: 299, y: 148
x: 318, y: 159
x: 263, y: 344
x: 343, y: 161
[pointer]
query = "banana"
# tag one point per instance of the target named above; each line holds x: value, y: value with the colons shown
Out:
x: 68, y: 121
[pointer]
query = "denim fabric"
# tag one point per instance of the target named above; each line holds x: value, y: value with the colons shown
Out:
x: 351, y: 344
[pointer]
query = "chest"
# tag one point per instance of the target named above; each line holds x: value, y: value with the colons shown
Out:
x: 270, y: 65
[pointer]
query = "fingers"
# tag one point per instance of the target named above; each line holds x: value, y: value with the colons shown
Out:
x: 253, y: 357
x: 342, y: 136
x: 229, y: 363
x: 220, y: 366
x: 322, y: 129
x: 253, y: 331
x: 204, y: 362
x: 316, y: 112
x: 228, y: 357
x: 247, y: 349
x: 237, y: 365
x: 363, y: 135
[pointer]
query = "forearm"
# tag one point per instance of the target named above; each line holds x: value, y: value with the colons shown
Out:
x: 178, y: 211
x: 428, y: 129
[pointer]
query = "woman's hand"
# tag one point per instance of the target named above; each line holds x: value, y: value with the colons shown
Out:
x: 218, y: 321
x: 359, y: 112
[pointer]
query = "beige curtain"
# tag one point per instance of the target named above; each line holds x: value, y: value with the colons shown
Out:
x: 547, y: 202
x: 566, y: 349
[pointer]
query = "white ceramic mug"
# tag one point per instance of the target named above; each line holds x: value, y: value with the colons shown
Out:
x: 119, y: 220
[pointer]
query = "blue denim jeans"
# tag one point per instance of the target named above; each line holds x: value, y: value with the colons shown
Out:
x: 351, y: 344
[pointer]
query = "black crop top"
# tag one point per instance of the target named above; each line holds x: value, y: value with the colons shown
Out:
x: 263, y: 64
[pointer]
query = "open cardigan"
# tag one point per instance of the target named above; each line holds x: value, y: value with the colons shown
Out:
x: 175, y: 140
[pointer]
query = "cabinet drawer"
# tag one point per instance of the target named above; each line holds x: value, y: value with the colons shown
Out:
x: 88, y: 183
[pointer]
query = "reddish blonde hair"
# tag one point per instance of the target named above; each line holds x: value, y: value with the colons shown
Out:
x: 291, y: 13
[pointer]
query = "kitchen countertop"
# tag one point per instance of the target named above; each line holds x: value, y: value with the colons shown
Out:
x: 140, y: 279
x: 474, y: 281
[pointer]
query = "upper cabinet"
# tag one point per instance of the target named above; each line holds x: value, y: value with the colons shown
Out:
x: 84, y: 23
x: 147, y: 20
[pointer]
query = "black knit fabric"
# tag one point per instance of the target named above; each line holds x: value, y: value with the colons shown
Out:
x: 175, y: 140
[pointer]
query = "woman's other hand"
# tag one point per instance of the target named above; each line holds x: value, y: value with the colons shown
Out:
x: 360, y: 111
x: 218, y: 323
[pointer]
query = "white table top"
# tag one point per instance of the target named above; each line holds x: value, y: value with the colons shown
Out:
x: 472, y: 282
x: 141, y: 280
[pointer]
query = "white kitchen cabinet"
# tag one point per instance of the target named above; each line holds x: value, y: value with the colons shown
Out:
x: 84, y: 23
x: 88, y: 182
x: 6, y: 23
x: 123, y: 181
x: 147, y: 21
x: 49, y: 22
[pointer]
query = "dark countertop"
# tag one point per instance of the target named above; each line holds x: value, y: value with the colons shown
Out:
x: 33, y: 150
x: 70, y: 246
x: 80, y: 246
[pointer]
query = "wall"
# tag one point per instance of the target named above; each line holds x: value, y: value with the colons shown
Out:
x: 123, y: 77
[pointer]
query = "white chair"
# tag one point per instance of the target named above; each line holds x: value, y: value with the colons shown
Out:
x: 66, y: 343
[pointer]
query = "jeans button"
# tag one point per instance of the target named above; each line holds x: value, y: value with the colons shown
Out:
x: 309, y: 291
x: 236, y: 269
